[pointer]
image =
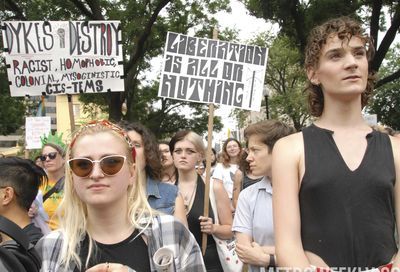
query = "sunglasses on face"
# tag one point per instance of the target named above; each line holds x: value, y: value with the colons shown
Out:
x: 51, y: 155
x: 109, y: 165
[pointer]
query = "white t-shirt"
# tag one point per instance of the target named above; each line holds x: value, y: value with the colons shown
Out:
x: 226, y: 174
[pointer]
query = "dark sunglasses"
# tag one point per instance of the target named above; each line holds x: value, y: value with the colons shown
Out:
x: 109, y: 165
x: 51, y: 155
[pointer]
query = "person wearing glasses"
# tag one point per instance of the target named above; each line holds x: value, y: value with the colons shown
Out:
x: 52, y: 158
x: 107, y: 223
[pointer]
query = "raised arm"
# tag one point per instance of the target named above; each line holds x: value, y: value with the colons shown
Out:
x: 287, y: 169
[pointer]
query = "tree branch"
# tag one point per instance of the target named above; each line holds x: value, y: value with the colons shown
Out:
x: 387, y: 40
x: 83, y: 9
x: 374, y: 23
x: 12, y: 6
x: 388, y: 79
x: 145, y: 34
x: 96, y: 9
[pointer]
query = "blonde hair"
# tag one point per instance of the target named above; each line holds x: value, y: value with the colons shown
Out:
x: 192, y: 137
x: 73, y: 211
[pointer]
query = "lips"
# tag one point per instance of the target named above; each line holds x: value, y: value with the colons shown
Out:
x: 351, y: 77
x: 97, y: 186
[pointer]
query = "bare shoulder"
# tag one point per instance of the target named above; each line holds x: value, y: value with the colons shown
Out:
x: 396, y: 148
x: 291, y: 144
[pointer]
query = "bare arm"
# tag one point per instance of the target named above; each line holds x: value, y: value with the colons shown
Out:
x: 180, y: 212
x: 286, y: 161
x: 249, y: 252
x: 396, y: 148
x: 237, y: 184
x: 224, y: 229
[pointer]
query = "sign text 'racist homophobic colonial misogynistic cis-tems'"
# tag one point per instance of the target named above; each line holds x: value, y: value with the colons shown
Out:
x: 57, y: 57
x: 213, y: 71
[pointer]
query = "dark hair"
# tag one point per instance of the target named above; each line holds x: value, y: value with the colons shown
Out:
x: 344, y: 28
x: 224, y: 156
x: 268, y: 131
x: 151, y: 152
x: 24, y: 176
x: 215, y: 156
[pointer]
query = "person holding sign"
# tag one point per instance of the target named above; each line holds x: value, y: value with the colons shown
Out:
x: 107, y: 223
x: 336, y: 183
x: 253, y: 224
x: 188, y: 150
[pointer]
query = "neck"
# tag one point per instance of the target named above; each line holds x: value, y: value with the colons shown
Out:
x: 109, y: 224
x: 187, y: 176
x: 341, y: 115
x: 168, y: 173
x: 18, y: 216
x: 57, y: 174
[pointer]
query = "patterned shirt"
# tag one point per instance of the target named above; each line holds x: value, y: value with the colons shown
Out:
x: 164, y: 231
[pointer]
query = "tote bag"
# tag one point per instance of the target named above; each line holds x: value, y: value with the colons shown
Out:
x: 226, y: 248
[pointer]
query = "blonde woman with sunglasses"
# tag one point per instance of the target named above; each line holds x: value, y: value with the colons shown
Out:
x: 107, y: 223
x: 52, y: 158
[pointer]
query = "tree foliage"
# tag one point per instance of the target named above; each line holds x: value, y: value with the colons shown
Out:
x: 144, y: 28
x: 386, y: 101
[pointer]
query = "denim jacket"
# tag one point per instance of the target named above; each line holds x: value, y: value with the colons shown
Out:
x: 161, y: 196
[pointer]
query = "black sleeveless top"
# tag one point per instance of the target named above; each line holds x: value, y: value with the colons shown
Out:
x: 347, y: 217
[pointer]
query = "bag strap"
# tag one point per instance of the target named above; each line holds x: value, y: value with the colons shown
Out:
x: 55, y: 189
x: 14, y: 231
x: 213, y: 202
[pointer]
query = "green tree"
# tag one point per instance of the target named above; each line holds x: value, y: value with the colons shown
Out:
x: 297, y: 17
x: 144, y: 25
x: 386, y: 101
x: 286, y: 79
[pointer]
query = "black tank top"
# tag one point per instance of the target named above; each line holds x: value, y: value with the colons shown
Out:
x: 347, y: 217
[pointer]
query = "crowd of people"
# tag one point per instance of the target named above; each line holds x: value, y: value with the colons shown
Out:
x: 322, y: 198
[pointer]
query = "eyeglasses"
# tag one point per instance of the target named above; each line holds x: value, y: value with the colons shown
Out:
x: 109, y: 165
x: 51, y: 155
x: 107, y: 124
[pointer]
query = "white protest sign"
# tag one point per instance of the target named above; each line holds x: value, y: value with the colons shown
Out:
x: 36, y: 127
x: 57, y: 57
x: 213, y: 71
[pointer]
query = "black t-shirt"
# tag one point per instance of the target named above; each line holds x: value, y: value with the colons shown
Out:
x: 131, y: 252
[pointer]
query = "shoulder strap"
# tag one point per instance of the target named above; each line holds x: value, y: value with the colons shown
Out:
x: 213, y: 202
x: 14, y: 231
x: 55, y: 189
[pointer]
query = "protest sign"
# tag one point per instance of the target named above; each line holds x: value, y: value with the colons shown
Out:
x: 35, y: 127
x: 57, y: 57
x: 213, y: 71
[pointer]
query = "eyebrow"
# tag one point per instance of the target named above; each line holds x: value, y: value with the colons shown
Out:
x: 339, y: 49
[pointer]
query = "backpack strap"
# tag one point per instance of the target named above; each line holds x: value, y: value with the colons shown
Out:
x: 55, y: 189
x: 14, y: 231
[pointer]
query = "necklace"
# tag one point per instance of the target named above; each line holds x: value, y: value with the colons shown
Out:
x: 187, y: 201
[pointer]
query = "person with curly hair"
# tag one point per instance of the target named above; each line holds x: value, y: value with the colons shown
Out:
x: 162, y: 196
x: 336, y: 183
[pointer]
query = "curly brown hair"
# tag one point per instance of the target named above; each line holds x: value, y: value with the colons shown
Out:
x: 151, y: 152
x: 225, y: 158
x: 344, y: 28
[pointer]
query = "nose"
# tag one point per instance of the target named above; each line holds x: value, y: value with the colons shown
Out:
x: 96, y: 171
x: 350, y: 61
x: 249, y: 158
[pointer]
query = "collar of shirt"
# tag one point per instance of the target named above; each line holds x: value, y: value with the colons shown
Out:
x: 264, y: 184
x: 152, y: 188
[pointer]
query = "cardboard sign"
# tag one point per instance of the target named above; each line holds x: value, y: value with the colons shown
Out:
x: 213, y: 71
x: 35, y: 127
x: 56, y: 57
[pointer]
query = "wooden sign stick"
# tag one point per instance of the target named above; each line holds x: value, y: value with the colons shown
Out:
x: 208, y: 163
